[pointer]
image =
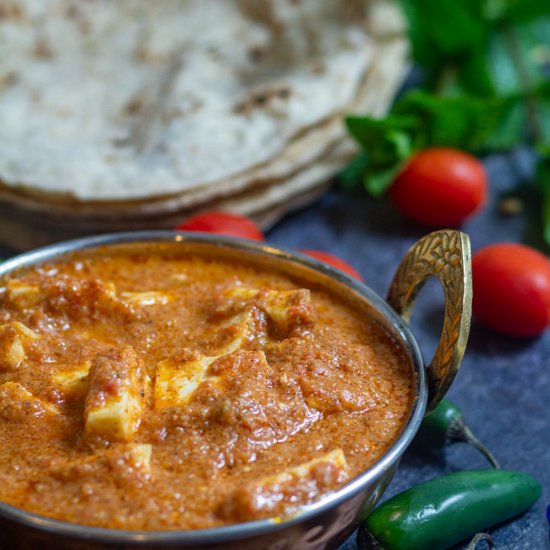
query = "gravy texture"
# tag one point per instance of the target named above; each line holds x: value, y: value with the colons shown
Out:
x: 164, y: 391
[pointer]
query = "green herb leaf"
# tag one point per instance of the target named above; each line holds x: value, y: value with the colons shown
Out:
x: 471, y: 123
x: 369, y: 131
x: 541, y: 115
x: 351, y: 177
x: 510, y: 129
x: 486, y: 88
x: 377, y: 182
x: 513, y: 10
x: 449, y: 27
x: 444, y: 34
x: 542, y: 178
x: 387, y: 144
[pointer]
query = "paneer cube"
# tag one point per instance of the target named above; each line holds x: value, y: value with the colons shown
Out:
x: 179, y: 376
x: 287, y: 309
x: 140, y: 455
x: 18, y: 403
x: 129, y: 463
x: 13, y: 338
x: 287, y: 490
x: 116, y: 396
x: 149, y: 298
x: 23, y: 294
x: 281, y: 305
x: 241, y: 293
x: 241, y: 326
x: 335, y: 459
x: 73, y: 383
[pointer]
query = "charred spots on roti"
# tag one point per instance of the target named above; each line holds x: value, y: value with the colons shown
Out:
x: 256, y: 54
x: 11, y: 11
x: 141, y: 105
x: 7, y: 80
x: 189, y: 104
x: 114, y: 61
x: 143, y: 132
x: 144, y: 53
x: 74, y: 12
x: 135, y: 106
x: 317, y: 67
x: 43, y: 49
x: 265, y: 97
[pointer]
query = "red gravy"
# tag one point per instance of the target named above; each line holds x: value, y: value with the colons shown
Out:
x: 164, y: 391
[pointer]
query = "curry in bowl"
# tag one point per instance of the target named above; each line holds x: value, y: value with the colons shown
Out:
x: 142, y: 388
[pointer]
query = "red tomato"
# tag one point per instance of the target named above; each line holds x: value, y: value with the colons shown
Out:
x: 334, y: 261
x: 512, y: 289
x: 224, y: 224
x: 440, y: 187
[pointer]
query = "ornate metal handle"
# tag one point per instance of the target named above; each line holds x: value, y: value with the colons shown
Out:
x: 445, y: 255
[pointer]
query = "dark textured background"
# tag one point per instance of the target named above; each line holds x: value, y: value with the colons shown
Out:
x: 504, y: 384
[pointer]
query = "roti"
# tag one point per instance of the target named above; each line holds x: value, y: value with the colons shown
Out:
x: 112, y: 101
x: 98, y: 134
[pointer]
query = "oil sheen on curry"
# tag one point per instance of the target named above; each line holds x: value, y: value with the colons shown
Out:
x: 163, y: 391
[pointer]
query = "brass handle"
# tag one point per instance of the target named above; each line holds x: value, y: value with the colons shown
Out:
x: 446, y: 255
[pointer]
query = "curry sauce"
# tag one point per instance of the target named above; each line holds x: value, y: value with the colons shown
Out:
x: 175, y: 391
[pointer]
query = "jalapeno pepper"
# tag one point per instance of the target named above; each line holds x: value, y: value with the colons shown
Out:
x: 444, y: 511
x: 446, y: 424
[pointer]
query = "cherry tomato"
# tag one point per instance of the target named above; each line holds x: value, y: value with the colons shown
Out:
x: 512, y: 289
x: 334, y: 261
x: 223, y: 223
x: 440, y: 187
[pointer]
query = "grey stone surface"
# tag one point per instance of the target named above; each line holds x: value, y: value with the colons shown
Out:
x: 504, y: 383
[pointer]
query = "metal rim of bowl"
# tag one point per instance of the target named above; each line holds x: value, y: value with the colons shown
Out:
x: 251, y: 528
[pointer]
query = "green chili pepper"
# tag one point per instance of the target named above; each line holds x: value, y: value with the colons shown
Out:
x: 446, y: 424
x: 444, y: 511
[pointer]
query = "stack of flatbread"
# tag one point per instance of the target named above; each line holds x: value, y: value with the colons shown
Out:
x: 137, y: 114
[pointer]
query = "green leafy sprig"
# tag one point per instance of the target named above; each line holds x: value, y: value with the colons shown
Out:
x: 486, y: 87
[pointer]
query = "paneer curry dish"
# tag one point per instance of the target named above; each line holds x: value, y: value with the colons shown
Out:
x: 149, y: 389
